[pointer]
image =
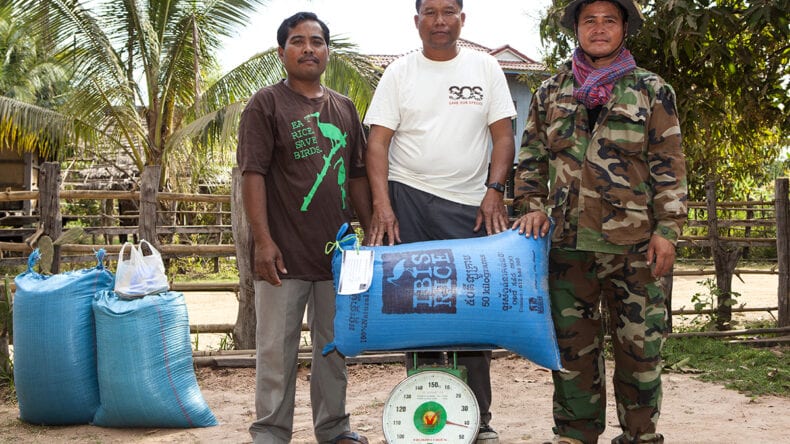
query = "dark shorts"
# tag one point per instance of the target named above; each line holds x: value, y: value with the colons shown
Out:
x: 423, y: 216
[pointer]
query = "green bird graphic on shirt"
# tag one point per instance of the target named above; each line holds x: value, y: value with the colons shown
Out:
x: 338, y: 139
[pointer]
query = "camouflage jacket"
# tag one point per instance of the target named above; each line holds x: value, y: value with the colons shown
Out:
x: 610, y: 188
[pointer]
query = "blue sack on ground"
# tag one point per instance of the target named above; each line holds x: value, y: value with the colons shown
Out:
x: 145, y: 368
x: 481, y: 292
x: 55, y: 343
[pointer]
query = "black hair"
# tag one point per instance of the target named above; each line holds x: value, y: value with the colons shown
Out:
x: 419, y: 3
x: 623, y: 11
x: 293, y: 21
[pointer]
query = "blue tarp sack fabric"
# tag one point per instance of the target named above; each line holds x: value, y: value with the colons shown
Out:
x: 145, y: 368
x: 483, y: 292
x: 55, y: 343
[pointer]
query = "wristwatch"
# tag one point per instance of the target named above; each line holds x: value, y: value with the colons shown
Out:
x: 497, y: 186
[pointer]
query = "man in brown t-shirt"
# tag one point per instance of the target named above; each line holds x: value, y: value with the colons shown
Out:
x: 301, y: 153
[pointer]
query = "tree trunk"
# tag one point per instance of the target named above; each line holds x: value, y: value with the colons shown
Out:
x: 244, y: 331
x: 725, y: 260
x: 149, y: 187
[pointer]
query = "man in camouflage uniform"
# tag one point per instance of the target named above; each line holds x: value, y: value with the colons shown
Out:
x: 601, y: 156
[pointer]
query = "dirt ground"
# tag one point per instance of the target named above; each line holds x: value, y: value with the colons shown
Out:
x: 693, y: 411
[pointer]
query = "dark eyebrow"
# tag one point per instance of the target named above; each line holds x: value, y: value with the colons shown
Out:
x: 590, y: 15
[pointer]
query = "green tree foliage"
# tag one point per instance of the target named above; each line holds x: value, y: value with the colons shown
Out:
x: 146, y: 80
x: 28, y: 71
x: 729, y: 62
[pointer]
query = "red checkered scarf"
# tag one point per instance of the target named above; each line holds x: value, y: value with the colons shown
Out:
x: 597, y: 84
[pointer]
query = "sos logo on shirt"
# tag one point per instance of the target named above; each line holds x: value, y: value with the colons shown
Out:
x: 419, y: 282
x: 466, y: 93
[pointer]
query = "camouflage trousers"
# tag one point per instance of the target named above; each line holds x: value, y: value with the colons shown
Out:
x: 580, y: 283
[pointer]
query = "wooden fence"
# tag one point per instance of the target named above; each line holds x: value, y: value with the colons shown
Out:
x: 205, y: 225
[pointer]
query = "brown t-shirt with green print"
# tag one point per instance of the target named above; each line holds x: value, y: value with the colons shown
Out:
x: 307, y: 149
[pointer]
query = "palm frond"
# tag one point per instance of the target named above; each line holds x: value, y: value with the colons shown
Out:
x: 215, y: 129
x: 352, y: 74
x: 241, y: 82
x: 25, y: 127
x: 224, y: 17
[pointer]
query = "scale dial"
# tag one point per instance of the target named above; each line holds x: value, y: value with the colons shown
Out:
x: 431, y: 407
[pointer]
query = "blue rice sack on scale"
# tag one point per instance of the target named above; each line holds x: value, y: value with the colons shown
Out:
x: 145, y: 368
x: 55, y: 343
x: 484, y: 292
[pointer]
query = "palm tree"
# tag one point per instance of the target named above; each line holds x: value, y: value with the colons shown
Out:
x: 145, y: 83
x: 28, y: 72
x: 146, y: 80
x: 25, y: 73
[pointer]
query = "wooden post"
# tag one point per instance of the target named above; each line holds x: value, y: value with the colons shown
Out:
x: 49, y: 208
x: 783, y: 249
x: 724, y: 259
x: 244, y: 331
x: 29, y: 181
x: 107, y: 212
x: 149, y: 187
x: 218, y: 221
x: 5, y: 326
x: 666, y: 282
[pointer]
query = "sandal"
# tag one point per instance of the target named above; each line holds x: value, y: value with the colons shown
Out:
x: 350, y: 438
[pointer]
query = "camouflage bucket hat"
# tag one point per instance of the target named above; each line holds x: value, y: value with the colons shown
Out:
x: 635, y: 17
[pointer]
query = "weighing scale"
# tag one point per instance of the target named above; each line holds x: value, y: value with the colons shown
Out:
x: 432, y: 405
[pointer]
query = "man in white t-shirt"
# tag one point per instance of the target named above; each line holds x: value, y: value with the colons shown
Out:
x: 439, y: 152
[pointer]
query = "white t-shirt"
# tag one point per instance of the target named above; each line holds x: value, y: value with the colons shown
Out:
x: 440, y: 112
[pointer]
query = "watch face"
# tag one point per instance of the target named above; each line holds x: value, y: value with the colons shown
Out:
x: 431, y: 406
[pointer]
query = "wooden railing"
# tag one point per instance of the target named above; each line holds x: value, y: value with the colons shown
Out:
x: 723, y: 231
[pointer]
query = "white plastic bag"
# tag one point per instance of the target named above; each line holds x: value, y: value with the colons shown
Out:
x: 140, y: 274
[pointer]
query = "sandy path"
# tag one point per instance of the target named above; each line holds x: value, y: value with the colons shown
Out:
x: 694, y: 412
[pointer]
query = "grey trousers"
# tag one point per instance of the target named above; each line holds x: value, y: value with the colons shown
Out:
x: 279, y: 313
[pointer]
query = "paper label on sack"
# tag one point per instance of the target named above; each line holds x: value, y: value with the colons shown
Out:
x: 356, y: 272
